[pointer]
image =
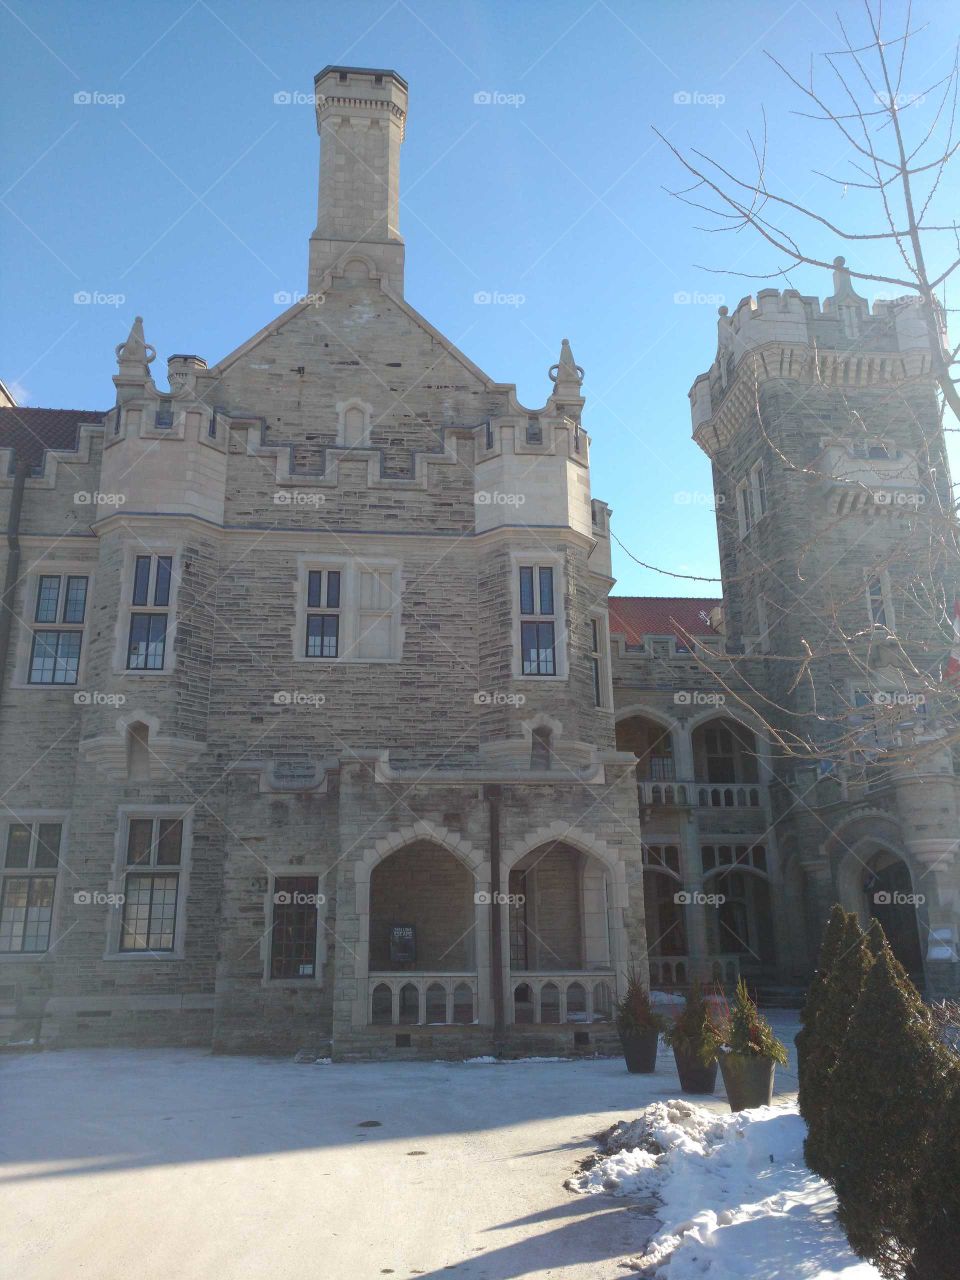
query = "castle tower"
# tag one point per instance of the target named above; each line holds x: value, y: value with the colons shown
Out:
x: 829, y: 467
x: 360, y: 119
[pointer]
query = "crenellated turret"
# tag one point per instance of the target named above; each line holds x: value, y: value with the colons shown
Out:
x: 843, y: 342
x: 534, y: 469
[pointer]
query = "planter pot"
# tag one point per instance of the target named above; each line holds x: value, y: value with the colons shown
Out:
x: 694, y: 1076
x: 640, y: 1050
x: 748, y: 1080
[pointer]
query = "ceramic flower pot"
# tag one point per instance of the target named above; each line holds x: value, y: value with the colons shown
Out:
x: 640, y: 1050
x: 694, y: 1076
x: 748, y: 1080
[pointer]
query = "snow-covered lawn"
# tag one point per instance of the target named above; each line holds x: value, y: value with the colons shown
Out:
x: 160, y: 1163
x: 737, y: 1201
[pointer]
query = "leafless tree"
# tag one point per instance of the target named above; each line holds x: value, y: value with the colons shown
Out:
x: 903, y: 148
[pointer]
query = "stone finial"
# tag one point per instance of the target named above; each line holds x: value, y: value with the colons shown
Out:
x: 842, y: 285
x: 134, y: 355
x: 566, y: 375
x: 847, y: 305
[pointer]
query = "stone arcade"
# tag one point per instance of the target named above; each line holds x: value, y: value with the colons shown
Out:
x: 318, y: 729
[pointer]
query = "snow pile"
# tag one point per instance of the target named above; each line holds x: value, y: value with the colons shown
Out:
x: 735, y: 1193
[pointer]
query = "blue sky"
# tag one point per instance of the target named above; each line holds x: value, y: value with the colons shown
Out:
x: 191, y: 200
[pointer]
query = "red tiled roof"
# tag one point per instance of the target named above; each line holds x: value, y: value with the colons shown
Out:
x: 30, y: 431
x: 637, y: 616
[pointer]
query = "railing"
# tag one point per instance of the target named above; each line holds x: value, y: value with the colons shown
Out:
x: 422, y: 999
x: 680, y: 971
x: 549, y: 998
x: 704, y: 795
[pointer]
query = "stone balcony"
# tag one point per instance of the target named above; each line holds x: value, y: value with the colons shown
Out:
x: 701, y: 795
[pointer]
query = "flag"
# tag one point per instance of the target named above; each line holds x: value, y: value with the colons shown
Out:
x: 952, y: 669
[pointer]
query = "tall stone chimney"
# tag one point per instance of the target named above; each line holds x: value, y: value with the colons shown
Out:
x: 360, y: 119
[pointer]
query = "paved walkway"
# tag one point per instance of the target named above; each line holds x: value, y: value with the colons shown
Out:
x: 176, y: 1165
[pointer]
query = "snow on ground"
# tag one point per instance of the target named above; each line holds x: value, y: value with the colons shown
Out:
x: 172, y: 1162
x: 735, y: 1196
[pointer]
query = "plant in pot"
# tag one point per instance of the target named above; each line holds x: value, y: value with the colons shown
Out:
x: 695, y: 1039
x: 749, y: 1055
x: 639, y: 1026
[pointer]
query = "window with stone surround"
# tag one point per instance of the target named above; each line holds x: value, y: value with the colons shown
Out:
x: 879, y: 603
x: 153, y: 863
x: 744, y: 508
x: 538, y: 620
x: 146, y: 622
x: 758, y: 490
x: 29, y: 863
x: 60, y: 605
x: 293, y: 934
x: 600, y: 660
x: 348, y: 610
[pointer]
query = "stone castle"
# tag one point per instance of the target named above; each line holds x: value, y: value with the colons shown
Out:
x: 321, y: 731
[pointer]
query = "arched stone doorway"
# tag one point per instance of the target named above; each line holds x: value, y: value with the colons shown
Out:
x: 890, y: 899
x: 422, y: 959
x: 560, y: 949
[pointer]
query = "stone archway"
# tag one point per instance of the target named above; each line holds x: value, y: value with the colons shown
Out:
x: 888, y: 888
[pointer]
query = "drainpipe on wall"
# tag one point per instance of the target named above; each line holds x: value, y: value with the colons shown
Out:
x: 12, y: 575
x: 493, y: 797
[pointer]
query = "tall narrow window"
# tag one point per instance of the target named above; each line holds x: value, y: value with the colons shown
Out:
x: 877, y: 603
x: 151, y: 884
x: 323, y: 613
x: 758, y: 487
x: 599, y: 652
x: 28, y: 880
x: 537, y: 621
x: 150, y: 597
x: 293, y: 945
x: 58, y: 615
x: 744, y: 508
x: 721, y: 760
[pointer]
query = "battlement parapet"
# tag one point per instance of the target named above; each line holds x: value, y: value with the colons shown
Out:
x: 786, y: 334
